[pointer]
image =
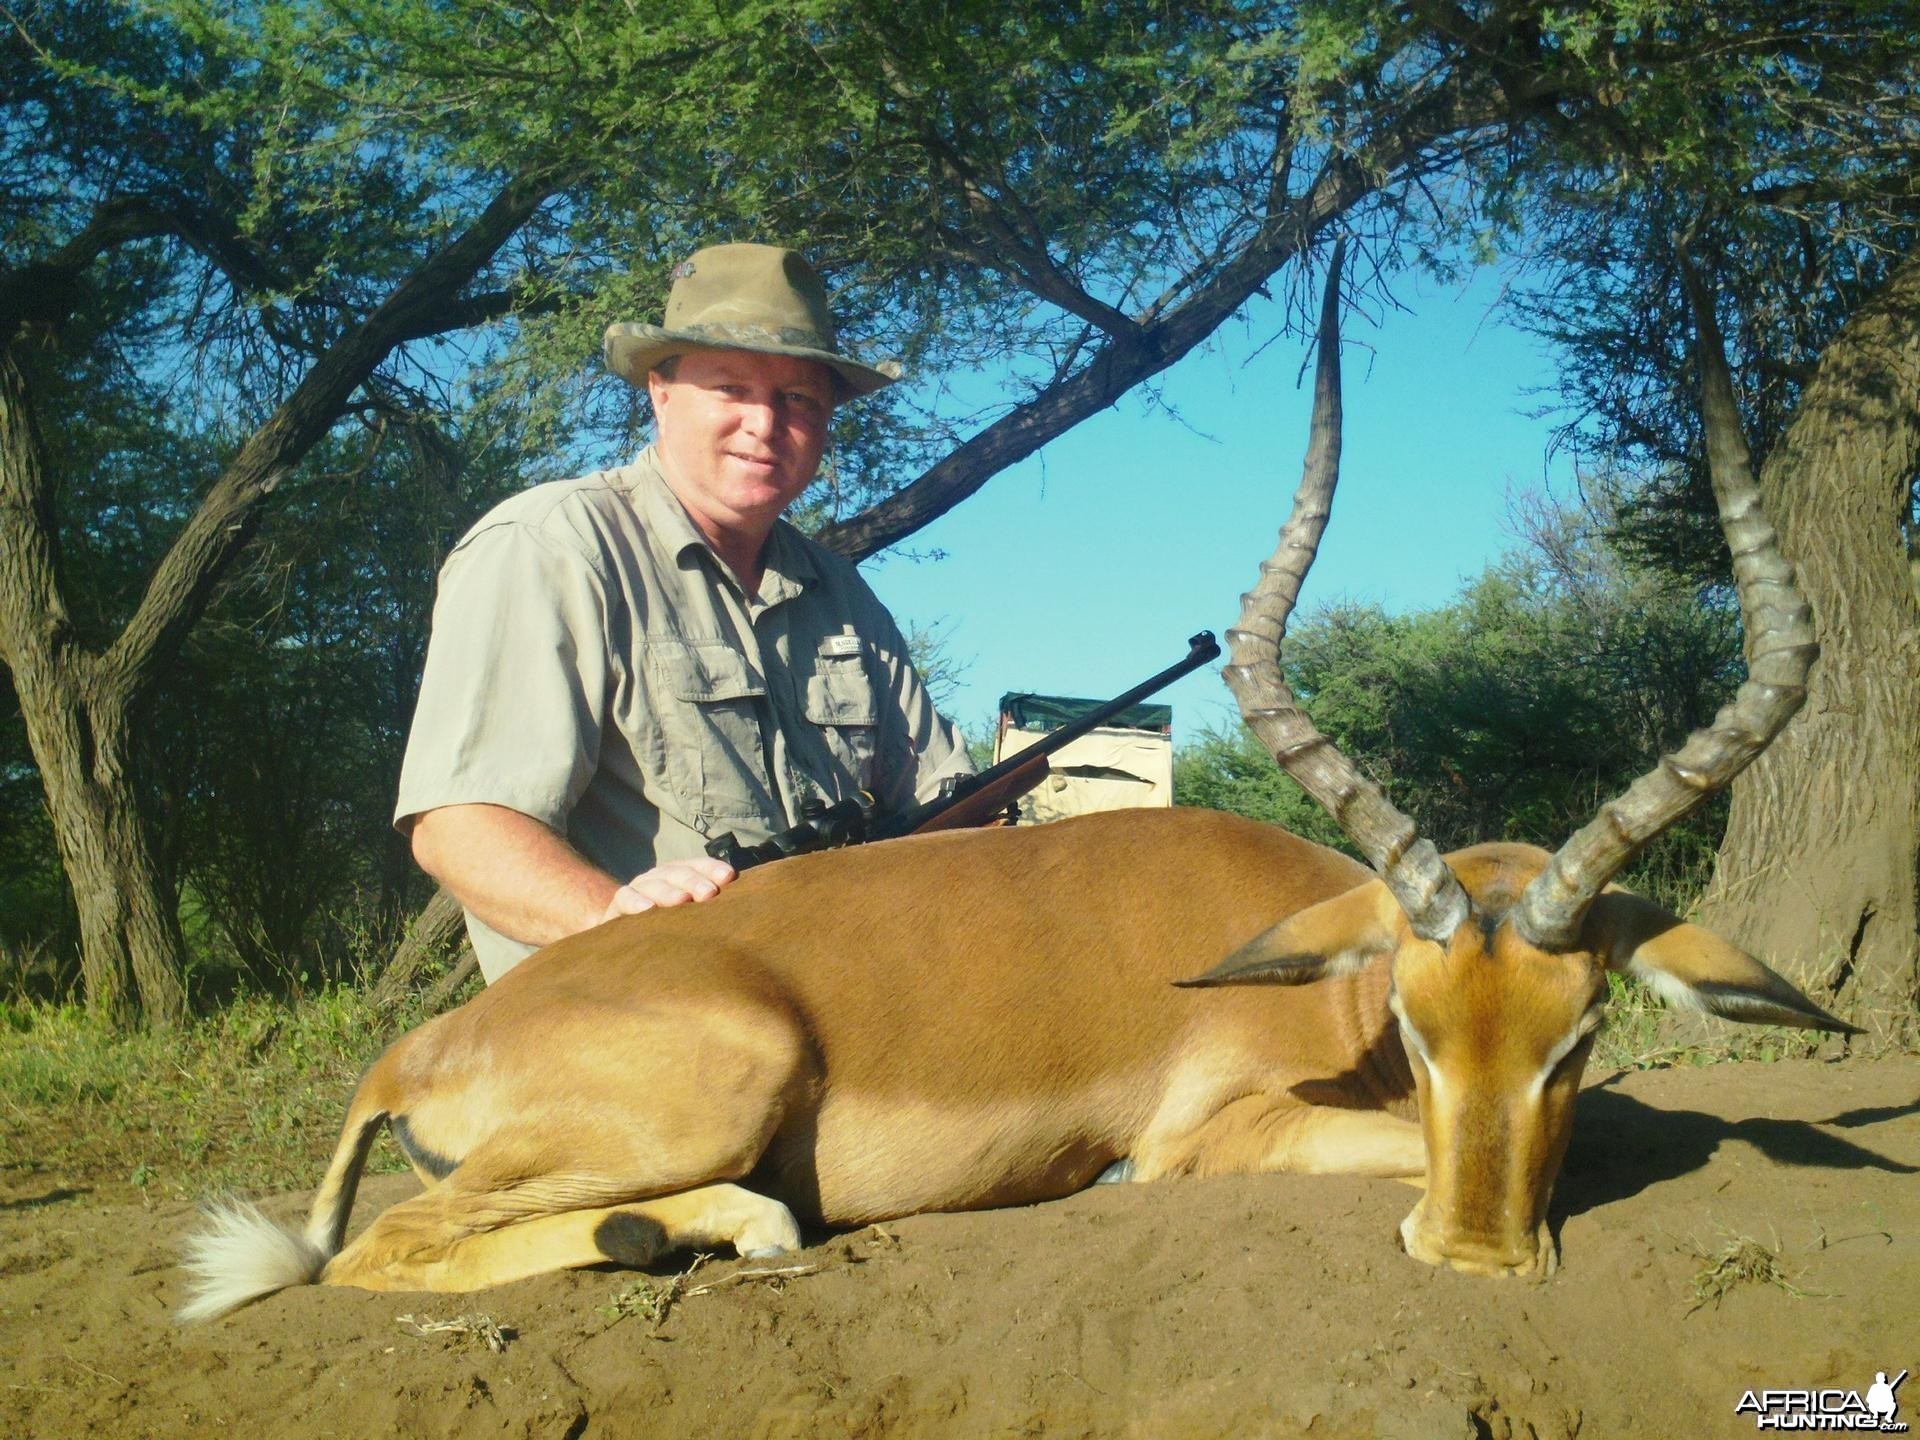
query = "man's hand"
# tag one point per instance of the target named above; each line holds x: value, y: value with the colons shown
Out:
x: 528, y: 883
x: 675, y: 883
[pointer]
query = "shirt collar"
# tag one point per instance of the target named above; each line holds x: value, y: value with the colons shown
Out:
x: 789, y: 569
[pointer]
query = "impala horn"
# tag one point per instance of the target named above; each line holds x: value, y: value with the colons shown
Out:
x: 1425, y: 888
x: 1780, y: 651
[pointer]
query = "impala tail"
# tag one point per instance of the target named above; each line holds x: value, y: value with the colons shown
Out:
x: 238, y: 1255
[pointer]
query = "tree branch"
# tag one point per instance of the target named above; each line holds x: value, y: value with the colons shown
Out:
x: 1030, y: 264
x: 1116, y: 367
x: 46, y: 292
x: 1127, y: 359
x: 181, y: 586
x: 467, y: 311
x: 1027, y: 259
x: 1888, y: 188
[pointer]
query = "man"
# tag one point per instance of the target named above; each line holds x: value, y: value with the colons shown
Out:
x: 627, y: 665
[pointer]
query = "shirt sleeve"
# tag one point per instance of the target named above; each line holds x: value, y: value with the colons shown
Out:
x: 516, y: 680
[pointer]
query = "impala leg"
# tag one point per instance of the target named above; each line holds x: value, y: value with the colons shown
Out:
x: 407, y: 1245
x: 570, y: 1182
x: 1253, y: 1134
x: 1325, y: 1141
x: 754, y: 1225
x: 632, y: 1234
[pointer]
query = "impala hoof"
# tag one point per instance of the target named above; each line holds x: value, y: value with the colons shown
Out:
x: 770, y: 1232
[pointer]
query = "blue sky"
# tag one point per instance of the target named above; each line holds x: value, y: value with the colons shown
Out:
x: 1085, y: 569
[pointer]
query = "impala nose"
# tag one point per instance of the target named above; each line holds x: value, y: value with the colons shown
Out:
x: 1531, y: 1256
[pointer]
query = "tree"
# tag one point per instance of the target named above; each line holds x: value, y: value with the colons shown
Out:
x: 1821, y: 861
x: 291, y: 701
x: 154, y: 217
x: 1797, y: 181
x: 1820, y: 866
x: 1074, y: 194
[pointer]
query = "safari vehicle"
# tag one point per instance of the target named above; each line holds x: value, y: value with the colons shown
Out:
x: 1123, y: 764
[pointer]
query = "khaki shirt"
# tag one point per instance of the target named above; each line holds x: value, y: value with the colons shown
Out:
x: 593, y: 664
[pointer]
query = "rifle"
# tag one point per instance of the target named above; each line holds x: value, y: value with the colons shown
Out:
x: 963, y: 799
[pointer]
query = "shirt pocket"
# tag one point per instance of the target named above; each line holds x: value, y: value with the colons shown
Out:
x: 710, y: 703
x: 842, y: 702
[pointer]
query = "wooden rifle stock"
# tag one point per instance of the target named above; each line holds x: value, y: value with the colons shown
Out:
x: 986, y: 804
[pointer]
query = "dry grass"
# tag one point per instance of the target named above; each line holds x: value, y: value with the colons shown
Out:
x: 650, y: 1299
x: 1738, y: 1262
x: 1742, y: 1261
x: 476, y: 1330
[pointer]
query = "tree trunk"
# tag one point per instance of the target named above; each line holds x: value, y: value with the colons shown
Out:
x: 129, y: 924
x: 75, y: 710
x: 434, y: 934
x: 1819, y: 873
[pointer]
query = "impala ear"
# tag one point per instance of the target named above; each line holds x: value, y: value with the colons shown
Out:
x: 1335, y: 937
x: 1691, y: 966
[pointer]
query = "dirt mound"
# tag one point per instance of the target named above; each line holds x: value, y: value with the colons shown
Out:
x: 1723, y: 1229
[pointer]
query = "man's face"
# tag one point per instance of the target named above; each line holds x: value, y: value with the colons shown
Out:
x: 741, y: 434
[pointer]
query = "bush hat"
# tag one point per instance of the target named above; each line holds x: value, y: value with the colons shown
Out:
x: 743, y: 297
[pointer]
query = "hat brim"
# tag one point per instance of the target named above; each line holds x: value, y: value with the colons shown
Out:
x: 632, y: 349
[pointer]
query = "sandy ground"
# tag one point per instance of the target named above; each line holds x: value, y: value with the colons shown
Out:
x: 1244, y: 1307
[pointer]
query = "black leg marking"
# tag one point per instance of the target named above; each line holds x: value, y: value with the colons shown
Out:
x: 431, y: 1161
x: 631, y: 1240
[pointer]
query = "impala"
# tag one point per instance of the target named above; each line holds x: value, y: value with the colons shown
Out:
x: 987, y: 1018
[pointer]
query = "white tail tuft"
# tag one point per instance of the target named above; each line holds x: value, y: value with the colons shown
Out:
x: 240, y: 1255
